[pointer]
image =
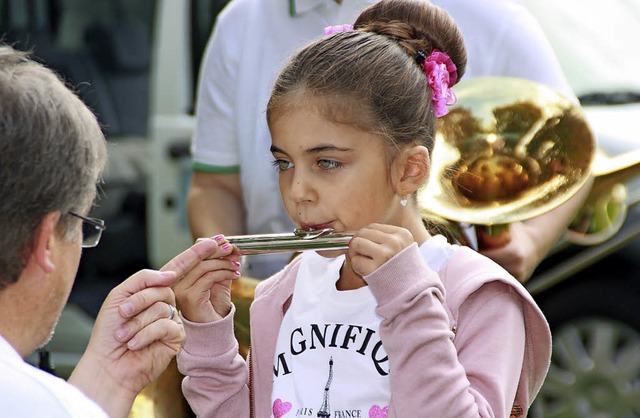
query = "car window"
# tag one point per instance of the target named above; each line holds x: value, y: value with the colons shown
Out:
x: 101, y: 47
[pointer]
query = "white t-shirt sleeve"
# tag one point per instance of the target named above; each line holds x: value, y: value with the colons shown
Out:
x: 214, y: 142
x: 523, y: 51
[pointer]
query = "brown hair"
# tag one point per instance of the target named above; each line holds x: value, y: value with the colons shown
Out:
x: 369, y: 76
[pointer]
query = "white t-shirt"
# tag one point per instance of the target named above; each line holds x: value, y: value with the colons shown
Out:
x: 27, y: 392
x: 600, y: 60
x: 251, y: 42
x: 329, y: 355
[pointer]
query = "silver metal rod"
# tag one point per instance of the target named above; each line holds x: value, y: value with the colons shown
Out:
x: 298, y: 240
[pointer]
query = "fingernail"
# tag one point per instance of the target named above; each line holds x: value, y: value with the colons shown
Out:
x: 237, y: 273
x: 237, y: 263
x: 127, y: 308
x: 121, y: 334
x: 218, y: 238
x: 133, y: 343
x: 226, y: 247
x: 167, y: 274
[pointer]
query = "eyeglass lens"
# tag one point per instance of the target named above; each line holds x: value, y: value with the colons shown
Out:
x: 90, y: 234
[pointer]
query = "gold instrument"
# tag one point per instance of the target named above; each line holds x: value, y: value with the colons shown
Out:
x: 509, y: 150
x: 162, y: 398
x: 513, y: 149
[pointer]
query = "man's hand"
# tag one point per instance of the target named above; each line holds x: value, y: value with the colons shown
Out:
x: 137, y: 333
x: 206, y: 296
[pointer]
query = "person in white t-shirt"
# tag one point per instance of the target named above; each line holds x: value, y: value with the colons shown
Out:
x: 234, y: 188
x: 402, y: 323
x: 52, y: 154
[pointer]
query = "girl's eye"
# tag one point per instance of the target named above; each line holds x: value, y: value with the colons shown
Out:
x: 282, y: 165
x: 328, y: 164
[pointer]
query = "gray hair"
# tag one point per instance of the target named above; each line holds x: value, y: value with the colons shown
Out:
x: 52, y: 153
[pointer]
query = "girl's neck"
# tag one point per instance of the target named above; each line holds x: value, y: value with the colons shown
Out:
x: 349, y: 279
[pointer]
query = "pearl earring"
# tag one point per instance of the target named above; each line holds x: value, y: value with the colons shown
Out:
x: 403, y: 201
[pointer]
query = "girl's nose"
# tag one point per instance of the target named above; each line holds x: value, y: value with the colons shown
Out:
x: 301, y: 187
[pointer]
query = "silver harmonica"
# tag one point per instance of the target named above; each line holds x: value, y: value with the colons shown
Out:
x: 298, y: 240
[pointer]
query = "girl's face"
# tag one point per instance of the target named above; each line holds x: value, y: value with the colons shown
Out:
x: 332, y: 175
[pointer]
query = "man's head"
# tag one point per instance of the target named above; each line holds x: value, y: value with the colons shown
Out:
x: 52, y: 153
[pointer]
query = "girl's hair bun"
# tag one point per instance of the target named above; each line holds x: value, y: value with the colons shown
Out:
x: 416, y: 25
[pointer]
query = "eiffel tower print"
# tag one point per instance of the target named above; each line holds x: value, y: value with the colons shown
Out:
x: 325, y: 410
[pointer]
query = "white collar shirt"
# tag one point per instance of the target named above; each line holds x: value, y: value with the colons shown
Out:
x: 27, y: 392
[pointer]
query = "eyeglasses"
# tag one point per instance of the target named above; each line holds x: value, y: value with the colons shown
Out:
x: 91, y: 230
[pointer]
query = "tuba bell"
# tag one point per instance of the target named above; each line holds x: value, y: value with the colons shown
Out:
x: 512, y: 149
x: 509, y: 150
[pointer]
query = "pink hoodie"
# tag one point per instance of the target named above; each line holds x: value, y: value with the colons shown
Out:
x: 467, y: 341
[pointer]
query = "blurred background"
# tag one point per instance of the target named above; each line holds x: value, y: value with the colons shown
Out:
x: 135, y: 63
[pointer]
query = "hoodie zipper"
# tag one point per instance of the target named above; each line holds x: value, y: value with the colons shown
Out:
x: 252, y: 401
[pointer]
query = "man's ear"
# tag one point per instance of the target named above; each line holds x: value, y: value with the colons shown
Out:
x: 413, y: 169
x: 44, y: 240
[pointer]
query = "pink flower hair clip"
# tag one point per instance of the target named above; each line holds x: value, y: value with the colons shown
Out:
x: 441, y: 74
x: 330, y: 30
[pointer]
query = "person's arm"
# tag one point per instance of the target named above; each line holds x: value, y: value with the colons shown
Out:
x: 216, y: 382
x: 473, y: 373
x: 134, y: 337
x: 215, y: 205
x: 216, y: 375
x: 527, y: 243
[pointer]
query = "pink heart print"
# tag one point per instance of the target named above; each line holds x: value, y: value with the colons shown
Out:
x: 281, y: 408
x: 376, y: 412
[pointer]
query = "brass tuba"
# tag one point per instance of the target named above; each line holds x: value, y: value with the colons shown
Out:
x: 513, y: 149
x: 509, y: 150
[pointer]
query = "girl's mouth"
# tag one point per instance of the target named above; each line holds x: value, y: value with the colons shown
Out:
x: 315, y: 227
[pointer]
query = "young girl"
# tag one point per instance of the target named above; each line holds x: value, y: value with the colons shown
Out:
x: 403, y: 324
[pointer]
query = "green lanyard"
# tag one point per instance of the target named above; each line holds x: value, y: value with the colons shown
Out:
x: 292, y: 8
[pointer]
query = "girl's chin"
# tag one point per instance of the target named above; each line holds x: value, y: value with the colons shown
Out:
x: 331, y: 253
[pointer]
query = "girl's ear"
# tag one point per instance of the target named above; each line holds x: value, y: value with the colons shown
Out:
x: 413, y: 169
x: 44, y: 240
